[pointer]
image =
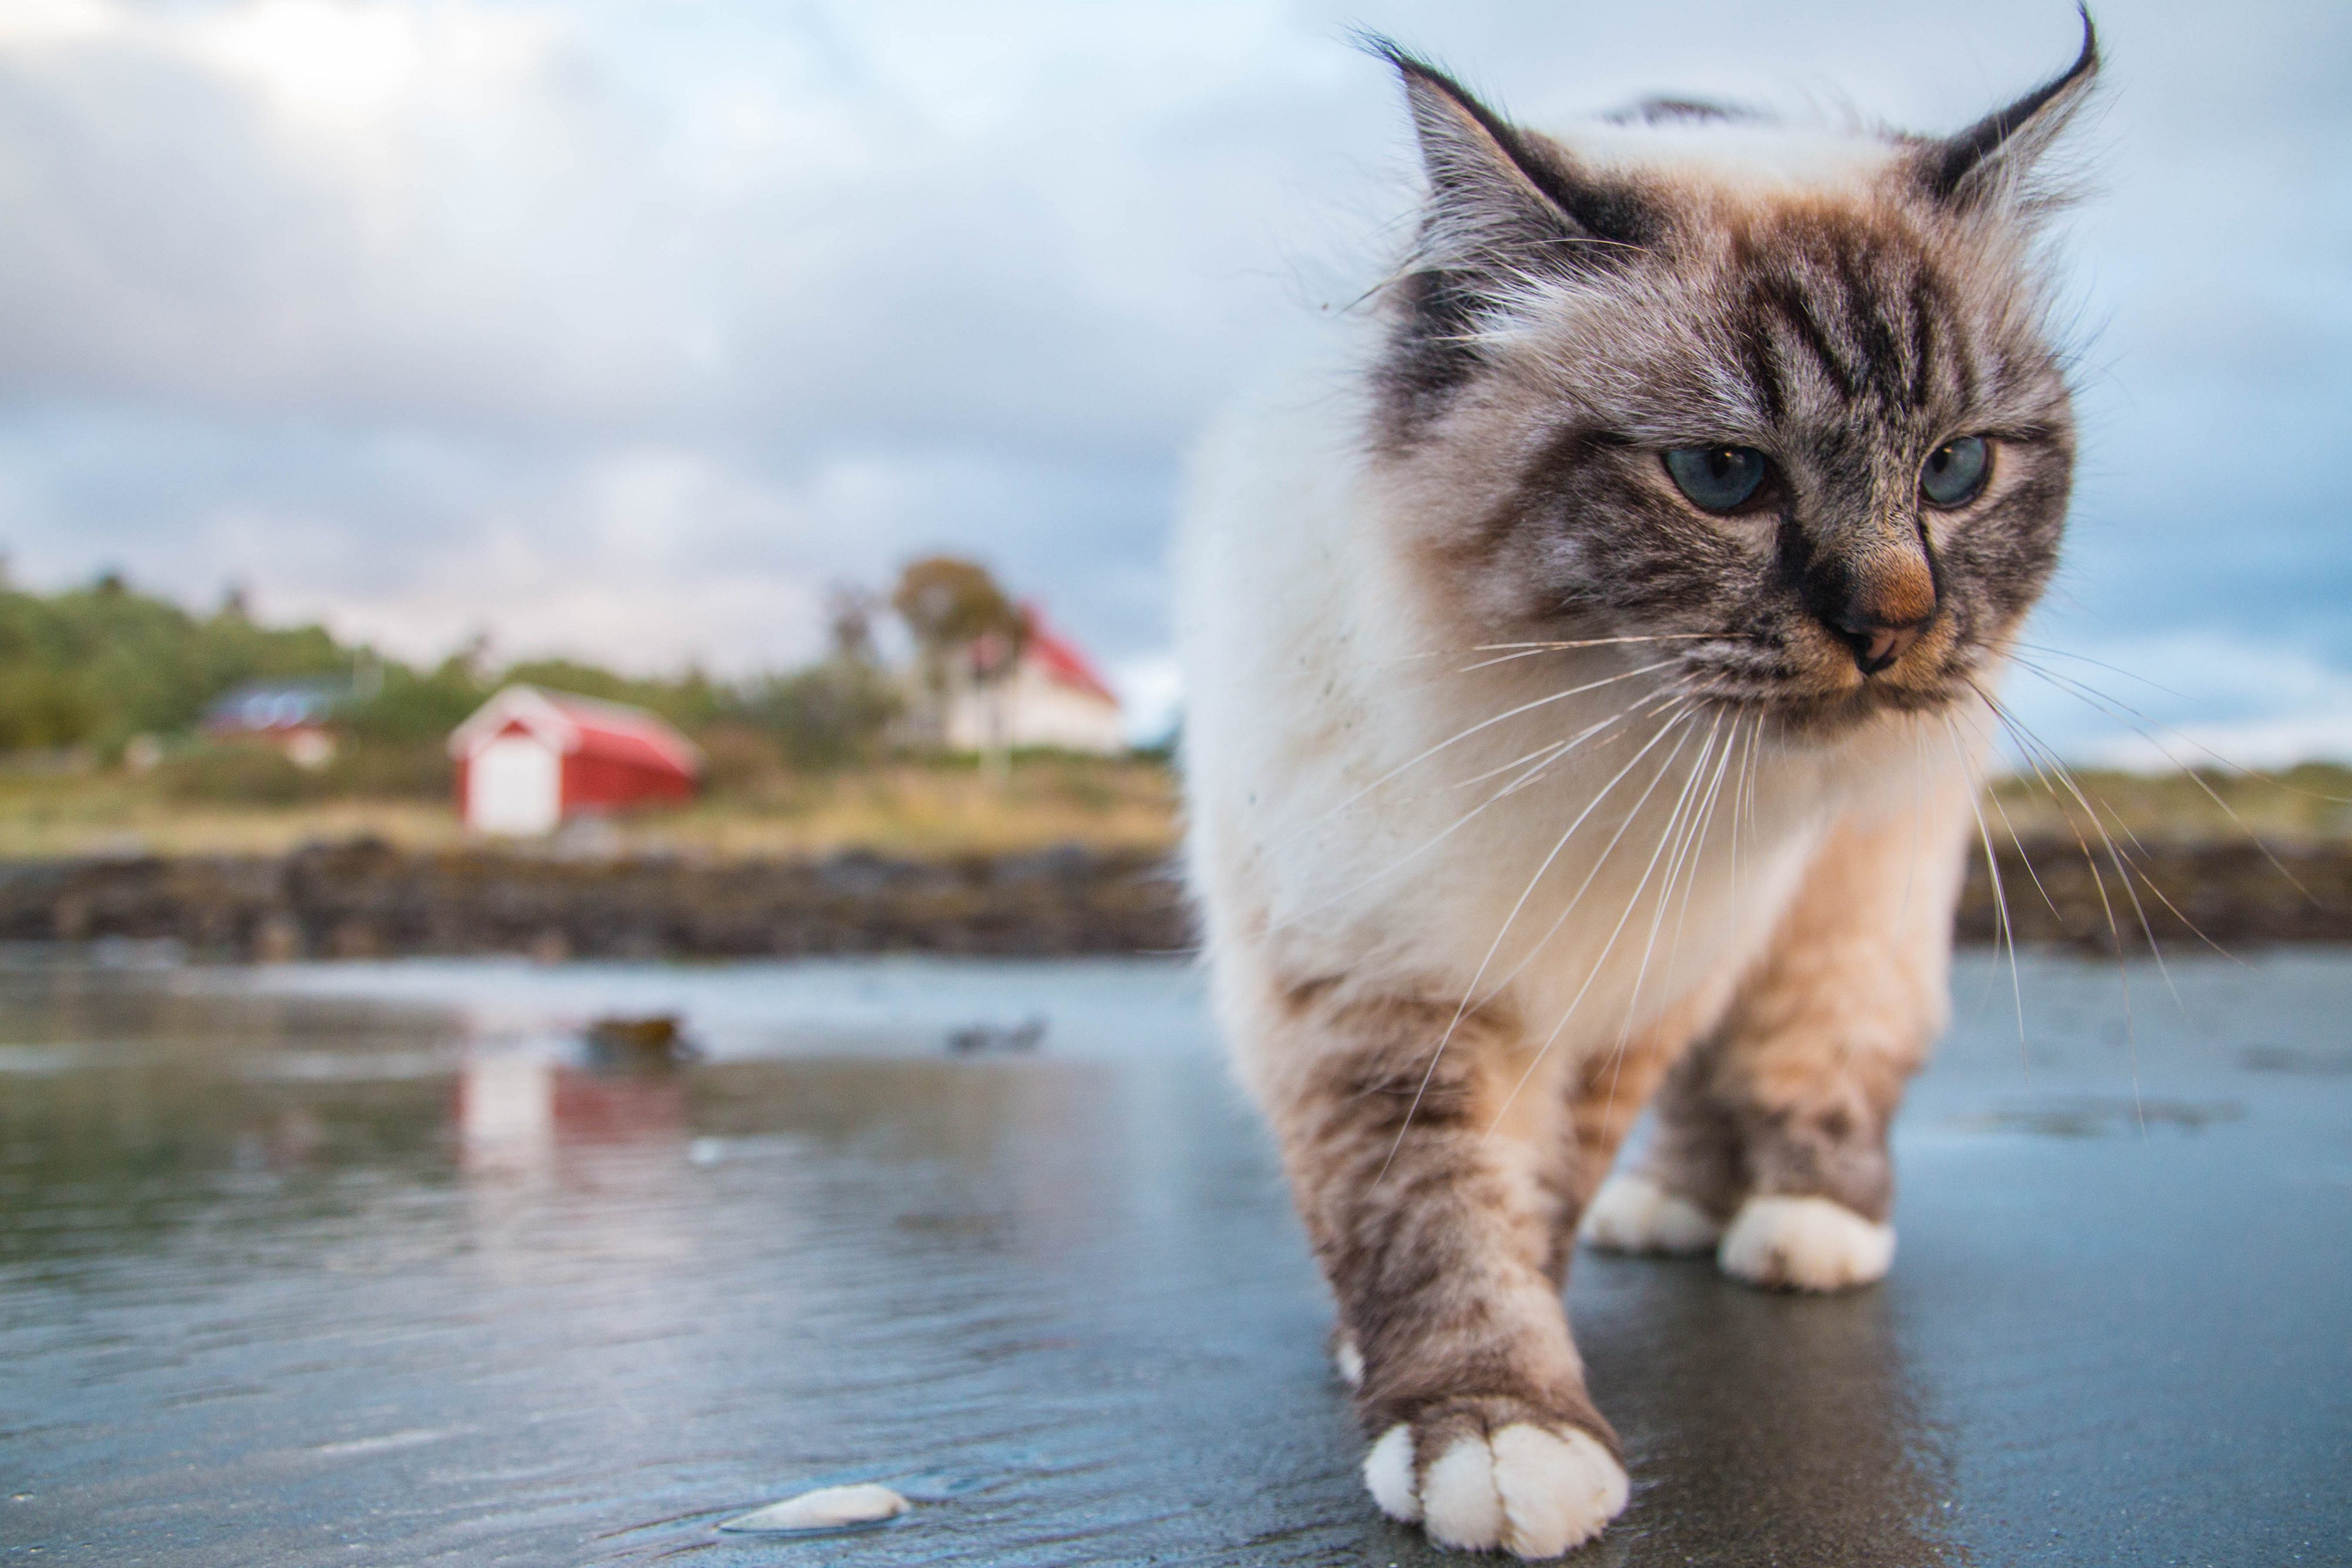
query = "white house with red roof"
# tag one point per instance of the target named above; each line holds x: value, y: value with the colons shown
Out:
x: 528, y: 759
x: 1052, y: 696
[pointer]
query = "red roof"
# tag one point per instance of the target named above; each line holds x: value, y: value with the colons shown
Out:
x: 577, y: 725
x: 1063, y: 660
x: 626, y: 736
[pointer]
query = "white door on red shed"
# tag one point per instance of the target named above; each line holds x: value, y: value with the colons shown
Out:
x: 514, y: 787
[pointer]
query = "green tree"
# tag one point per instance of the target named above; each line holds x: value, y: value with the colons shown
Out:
x: 957, y: 614
x: 411, y: 705
x: 96, y: 666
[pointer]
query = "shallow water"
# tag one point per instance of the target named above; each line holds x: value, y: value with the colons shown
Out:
x: 363, y: 1263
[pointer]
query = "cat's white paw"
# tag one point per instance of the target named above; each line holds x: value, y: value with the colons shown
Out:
x: 1388, y: 1474
x: 1634, y: 1214
x: 1805, y: 1244
x: 1531, y: 1491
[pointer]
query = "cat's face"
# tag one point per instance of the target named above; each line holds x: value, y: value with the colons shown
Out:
x: 1808, y: 435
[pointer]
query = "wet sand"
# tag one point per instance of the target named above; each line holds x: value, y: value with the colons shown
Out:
x: 361, y: 1263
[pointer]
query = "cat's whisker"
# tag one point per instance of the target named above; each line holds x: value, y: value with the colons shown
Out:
x: 1675, y: 702
x: 2029, y: 743
x: 1508, y: 652
x: 1755, y: 773
x: 1625, y: 1033
x: 2084, y: 687
x: 1979, y: 780
x: 2035, y: 753
x: 1409, y: 856
x: 2124, y: 863
x: 1500, y: 659
x: 1692, y: 833
x: 1602, y: 642
x: 2100, y: 664
x: 1457, y: 738
x: 2100, y: 701
x: 1695, y: 855
x: 1714, y: 793
x: 1632, y: 902
x: 1428, y: 653
x: 2093, y: 804
x: 1543, y: 755
x: 1607, y: 849
x: 1692, y: 849
x: 2124, y: 866
x: 1669, y: 724
x: 1918, y: 813
x: 2000, y: 894
x: 1739, y: 789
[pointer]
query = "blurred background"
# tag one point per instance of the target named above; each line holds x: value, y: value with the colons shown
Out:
x: 408, y: 350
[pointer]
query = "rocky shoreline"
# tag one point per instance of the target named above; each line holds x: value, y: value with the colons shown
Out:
x: 2189, y: 896
x: 367, y: 899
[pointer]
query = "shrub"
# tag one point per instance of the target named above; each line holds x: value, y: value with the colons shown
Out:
x: 392, y: 770
x: 828, y: 716
x: 739, y: 759
x: 239, y: 773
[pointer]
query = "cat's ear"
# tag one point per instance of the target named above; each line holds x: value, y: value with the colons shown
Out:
x: 1501, y: 198
x: 1992, y: 161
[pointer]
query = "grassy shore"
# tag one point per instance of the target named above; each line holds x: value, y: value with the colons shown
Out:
x: 905, y: 809
x: 2311, y: 804
x: 949, y: 808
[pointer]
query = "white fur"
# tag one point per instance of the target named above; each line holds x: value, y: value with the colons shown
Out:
x: 1634, y: 1214
x: 1460, y: 1504
x: 1388, y: 1474
x: 1531, y: 1491
x: 1805, y: 1244
x: 1348, y: 1362
x: 1558, y: 1490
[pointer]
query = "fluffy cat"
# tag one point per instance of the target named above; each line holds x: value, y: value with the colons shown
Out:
x: 1586, y: 680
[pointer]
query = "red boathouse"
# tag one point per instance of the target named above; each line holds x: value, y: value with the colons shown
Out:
x: 530, y: 760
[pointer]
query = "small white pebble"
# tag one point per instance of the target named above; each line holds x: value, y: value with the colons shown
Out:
x: 827, y: 1508
x: 705, y: 1152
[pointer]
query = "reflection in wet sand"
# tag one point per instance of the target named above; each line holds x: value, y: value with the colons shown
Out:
x: 1768, y: 1427
x: 515, y: 1108
x: 505, y: 1112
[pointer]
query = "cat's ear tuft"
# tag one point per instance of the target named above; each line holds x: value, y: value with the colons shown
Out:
x: 1500, y: 196
x: 1992, y: 162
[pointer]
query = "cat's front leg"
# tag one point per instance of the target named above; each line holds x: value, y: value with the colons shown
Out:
x: 1771, y: 1142
x: 1435, y: 1198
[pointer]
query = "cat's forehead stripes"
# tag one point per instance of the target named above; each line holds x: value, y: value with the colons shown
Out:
x: 1850, y: 302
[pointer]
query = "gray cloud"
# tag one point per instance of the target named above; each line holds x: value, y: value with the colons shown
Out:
x: 622, y: 329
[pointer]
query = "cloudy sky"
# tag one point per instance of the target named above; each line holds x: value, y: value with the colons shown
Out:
x: 623, y: 327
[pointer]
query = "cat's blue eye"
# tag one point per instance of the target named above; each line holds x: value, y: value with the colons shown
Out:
x: 1955, y: 471
x: 1717, y: 479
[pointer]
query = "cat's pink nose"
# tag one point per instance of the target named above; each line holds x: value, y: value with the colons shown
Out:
x: 1888, y: 600
x: 1875, y: 647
